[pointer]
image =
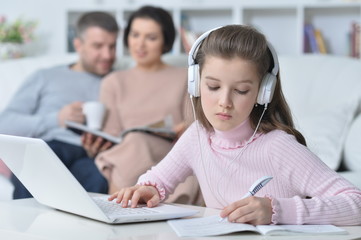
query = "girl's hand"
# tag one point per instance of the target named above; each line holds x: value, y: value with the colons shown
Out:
x: 137, y: 193
x: 93, y: 144
x: 252, y: 210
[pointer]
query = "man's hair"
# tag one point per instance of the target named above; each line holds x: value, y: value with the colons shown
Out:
x: 102, y: 20
x: 159, y: 15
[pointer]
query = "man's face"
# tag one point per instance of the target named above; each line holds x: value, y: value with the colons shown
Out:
x: 97, y: 50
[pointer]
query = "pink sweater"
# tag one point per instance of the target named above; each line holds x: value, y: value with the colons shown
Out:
x: 225, y: 177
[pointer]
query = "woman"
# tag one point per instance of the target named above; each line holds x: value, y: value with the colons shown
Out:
x: 142, y: 95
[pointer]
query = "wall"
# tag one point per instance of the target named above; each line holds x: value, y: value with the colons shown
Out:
x: 282, y: 21
x: 51, y: 17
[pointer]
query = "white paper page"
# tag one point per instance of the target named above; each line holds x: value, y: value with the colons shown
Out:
x: 83, y: 128
x: 207, y: 226
x: 300, y: 229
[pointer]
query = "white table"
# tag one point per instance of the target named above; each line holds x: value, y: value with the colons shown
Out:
x: 27, y: 219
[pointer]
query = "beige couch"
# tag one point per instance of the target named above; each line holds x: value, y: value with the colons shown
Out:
x: 324, y: 93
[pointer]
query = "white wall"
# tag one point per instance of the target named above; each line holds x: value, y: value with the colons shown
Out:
x: 50, y: 32
x: 281, y: 20
x: 52, y: 20
x: 52, y: 17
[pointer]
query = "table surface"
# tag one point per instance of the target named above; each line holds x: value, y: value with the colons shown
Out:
x: 28, y: 219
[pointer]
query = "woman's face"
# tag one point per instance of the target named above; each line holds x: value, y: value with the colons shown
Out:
x: 145, y: 41
x: 229, y: 89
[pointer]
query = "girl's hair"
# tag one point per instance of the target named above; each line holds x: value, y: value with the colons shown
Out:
x: 159, y: 15
x: 245, y: 42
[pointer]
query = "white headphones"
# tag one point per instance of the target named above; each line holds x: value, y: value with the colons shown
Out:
x: 268, y: 82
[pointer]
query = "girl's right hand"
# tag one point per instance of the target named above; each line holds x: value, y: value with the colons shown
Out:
x: 137, y: 193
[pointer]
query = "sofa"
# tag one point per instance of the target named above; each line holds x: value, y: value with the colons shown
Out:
x: 323, y: 91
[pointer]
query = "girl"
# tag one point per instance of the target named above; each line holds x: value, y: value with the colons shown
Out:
x: 245, y: 134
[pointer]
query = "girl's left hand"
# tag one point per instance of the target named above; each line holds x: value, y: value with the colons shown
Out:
x: 252, y: 210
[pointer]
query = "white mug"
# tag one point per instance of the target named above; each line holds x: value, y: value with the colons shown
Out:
x: 94, y: 114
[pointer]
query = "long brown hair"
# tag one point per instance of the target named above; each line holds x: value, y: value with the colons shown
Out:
x: 247, y: 43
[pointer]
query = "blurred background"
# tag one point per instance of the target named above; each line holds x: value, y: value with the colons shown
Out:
x: 294, y: 27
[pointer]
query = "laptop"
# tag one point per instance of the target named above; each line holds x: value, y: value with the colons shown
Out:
x: 40, y: 170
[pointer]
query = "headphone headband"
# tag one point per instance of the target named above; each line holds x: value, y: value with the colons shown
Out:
x: 197, y: 43
x: 275, y: 59
x: 267, y: 84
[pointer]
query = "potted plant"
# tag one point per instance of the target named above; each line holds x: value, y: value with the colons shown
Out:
x: 13, y: 36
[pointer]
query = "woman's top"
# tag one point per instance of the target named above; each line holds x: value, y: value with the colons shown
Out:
x: 137, y: 98
x: 303, y: 189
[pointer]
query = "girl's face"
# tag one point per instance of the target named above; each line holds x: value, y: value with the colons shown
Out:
x: 145, y: 41
x: 229, y: 89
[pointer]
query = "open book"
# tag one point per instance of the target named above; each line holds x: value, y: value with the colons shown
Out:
x: 161, y: 129
x: 211, y: 226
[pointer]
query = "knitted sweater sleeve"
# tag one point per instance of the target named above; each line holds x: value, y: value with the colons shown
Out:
x: 324, y: 197
x: 21, y: 116
x: 173, y: 169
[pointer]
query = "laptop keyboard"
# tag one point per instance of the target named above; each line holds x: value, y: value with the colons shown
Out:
x: 112, y: 208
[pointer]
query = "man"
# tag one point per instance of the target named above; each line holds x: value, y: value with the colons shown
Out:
x: 51, y: 96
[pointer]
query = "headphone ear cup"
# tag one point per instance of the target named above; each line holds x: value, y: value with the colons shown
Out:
x: 193, y: 80
x: 266, y: 89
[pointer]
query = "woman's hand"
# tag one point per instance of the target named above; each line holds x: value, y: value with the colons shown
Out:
x: 252, y: 210
x: 137, y: 193
x: 93, y: 144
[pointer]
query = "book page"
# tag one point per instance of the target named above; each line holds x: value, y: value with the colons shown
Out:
x: 80, y: 128
x: 207, y: 226
x: 163, y: 128
x: 160, y: 132
x: 300, y: 229
x: 163, y: 131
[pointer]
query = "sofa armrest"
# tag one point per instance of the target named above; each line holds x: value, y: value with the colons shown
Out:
x: 15, y: 71
x: 352, y: 149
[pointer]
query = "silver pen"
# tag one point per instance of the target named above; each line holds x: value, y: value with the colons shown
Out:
x: 260, y: 183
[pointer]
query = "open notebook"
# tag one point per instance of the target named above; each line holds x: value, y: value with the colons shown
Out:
x: 162, y: 129
x: 51, y: 183
x: 212, y: 226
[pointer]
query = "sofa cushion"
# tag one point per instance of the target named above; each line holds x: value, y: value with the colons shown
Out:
x: 323, y: 92
x: 15, y: 71
x: 353, y: 177
x: 326, y: 132
x: 353, y: 146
